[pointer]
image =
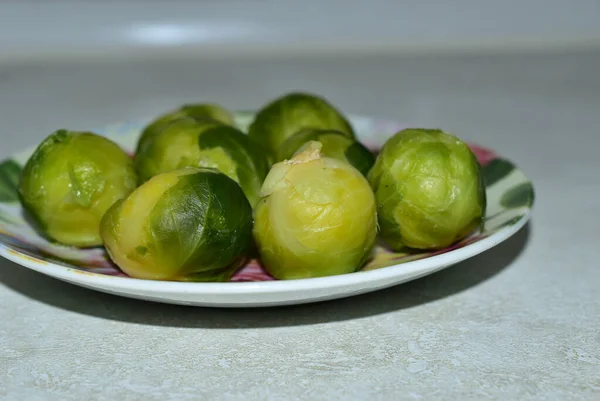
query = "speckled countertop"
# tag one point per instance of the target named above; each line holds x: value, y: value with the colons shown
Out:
x: 519, y: 322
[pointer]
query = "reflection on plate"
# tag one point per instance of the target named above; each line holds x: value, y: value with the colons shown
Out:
x: 510, y: 199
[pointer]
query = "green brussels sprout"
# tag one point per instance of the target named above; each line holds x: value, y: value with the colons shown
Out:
x: 429, y: 190
x: 208, y: 110
x: 174, y: 147
x: 335, y: 145
x: 189, y: 143
x: 202, y: 111
x: 191, y: 224
x: 233, y: 153
x: 317, y: 217
x: 69, y: 182
x: 293, y: 112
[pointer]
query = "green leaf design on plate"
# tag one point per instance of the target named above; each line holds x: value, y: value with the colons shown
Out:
x: 10, y: 172
x: 512, y: 221
x: 496, y: 170
x: 518, y: 196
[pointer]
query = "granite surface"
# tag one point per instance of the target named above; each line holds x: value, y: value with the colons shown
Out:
x: 519, y: 322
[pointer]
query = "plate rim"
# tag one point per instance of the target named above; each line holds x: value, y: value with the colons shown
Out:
x: 265, y: 287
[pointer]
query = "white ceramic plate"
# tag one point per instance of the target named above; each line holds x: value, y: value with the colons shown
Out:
x: 510, y: 199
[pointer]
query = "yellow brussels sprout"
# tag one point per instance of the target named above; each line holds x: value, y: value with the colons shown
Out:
x: 317, y: 217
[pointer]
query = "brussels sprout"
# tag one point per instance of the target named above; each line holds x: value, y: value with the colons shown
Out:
x: 208, y: 110
x: 202, y: 111
x: 317, y: 218
x: 191, y: 224
x: 69, y: 182
x: 232, y: 152
x: 189, y: 143
x: 429, y: 190
x: 293, y: 112
x: 335, y: 145
x: 175, y: 146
